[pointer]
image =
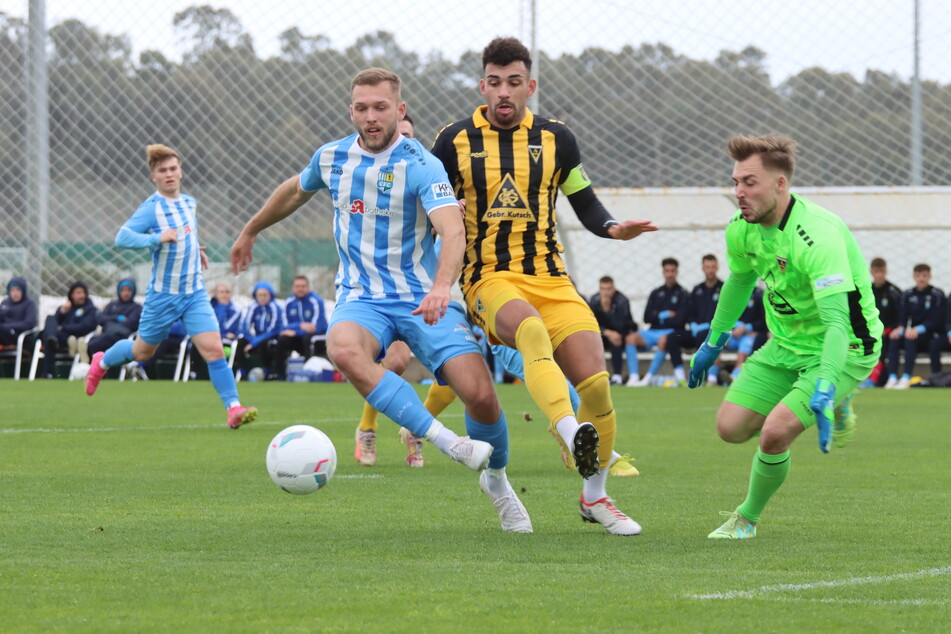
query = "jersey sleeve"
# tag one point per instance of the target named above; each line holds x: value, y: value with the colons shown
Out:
x: 834, y: 313
x: 826, y: 262
x: 431, y: 184
x: 141, y: 230
x: 736, y: 257
x: 573, y: 177
x: 444, y: 149
x: 310, y: 179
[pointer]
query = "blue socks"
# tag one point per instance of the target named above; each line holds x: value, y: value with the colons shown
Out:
x: 630, y: 354
x: 223, y: 381
x: 397, y: 399
x: 657, y: 362
x: 496, y: 435
x: 573, y: 395
x: 119, y: 354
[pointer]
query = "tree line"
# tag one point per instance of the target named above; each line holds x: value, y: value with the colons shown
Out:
x: 645, y: 116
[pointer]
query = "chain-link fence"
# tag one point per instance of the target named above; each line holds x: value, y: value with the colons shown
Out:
x: 904, y: 225
x: 247, y: 90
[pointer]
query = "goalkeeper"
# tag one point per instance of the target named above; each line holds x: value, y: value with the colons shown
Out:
x: 819, y: 308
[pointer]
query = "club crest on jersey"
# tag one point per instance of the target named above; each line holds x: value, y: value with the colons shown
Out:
x: 782, y: 263
x: 384, y: 181
x: 508, y: 203
x: 535, y: 151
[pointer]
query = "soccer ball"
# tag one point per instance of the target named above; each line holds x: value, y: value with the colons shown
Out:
x: 301, y: 459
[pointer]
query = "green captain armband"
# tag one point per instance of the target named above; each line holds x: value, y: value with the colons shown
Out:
x: 576, y: 181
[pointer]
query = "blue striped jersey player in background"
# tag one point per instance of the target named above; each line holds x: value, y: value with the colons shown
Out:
x: 387, y: 193
x: 166, y: 224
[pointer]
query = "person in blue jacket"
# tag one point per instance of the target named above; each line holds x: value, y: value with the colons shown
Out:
x: 306, y: 317
x: 227, y: 314
x: 261, y: 323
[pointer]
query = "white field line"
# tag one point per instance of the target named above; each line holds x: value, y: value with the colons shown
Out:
x: 358, y: 476
x: 85, y: 430
x: 798, y: 587
x: 882, y: 602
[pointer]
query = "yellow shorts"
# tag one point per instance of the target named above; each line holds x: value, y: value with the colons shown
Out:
x: 556, y: 299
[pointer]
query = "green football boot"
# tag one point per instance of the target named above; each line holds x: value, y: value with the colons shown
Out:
x: 736, y: 527
x: 844, y: 427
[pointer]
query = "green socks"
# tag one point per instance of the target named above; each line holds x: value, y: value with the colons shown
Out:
x: 767, y: 475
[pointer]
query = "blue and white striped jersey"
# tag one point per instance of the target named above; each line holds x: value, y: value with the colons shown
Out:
x: 381, y: 223
x: 176, y: 266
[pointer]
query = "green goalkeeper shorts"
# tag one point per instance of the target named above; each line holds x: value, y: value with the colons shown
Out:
x: 774, y: 374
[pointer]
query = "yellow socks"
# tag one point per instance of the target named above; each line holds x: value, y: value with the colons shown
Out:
x: 598, y: 409
x: 543, y: 378
x: 438, y: 399
x: 368, y: 420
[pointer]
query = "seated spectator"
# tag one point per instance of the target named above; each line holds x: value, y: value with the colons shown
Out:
x: 261, y: 323
x: 700, y: 310
x: 888, y: 302
x: 920, y: 326
x: 229, y: 315
x: 306, y: 316
x: 618, y: 329
x: 229, y: 327
x: 666, y: 313
x: 17, y: 312
x: 119, y: 319
x: 75, y: 319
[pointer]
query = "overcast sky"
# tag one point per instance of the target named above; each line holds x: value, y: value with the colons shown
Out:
x: 839, y: 35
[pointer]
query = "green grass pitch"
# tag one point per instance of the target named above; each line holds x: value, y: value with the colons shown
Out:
x: 138, y: 510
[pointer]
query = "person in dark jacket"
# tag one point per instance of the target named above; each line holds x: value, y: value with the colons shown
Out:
x: 119, y: 319
x: 666, y: 314
x: 920, y: 326
x: 700, y: 310
x: 888, y: 302
x: 618, y: 328
x: 76, y: 318
x: 17, y: 312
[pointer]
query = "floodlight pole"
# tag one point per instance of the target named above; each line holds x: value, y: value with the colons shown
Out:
x: 536, y: 63
x: 37, y: 142
x: 916, y: 133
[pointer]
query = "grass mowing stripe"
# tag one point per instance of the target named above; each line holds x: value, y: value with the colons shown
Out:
x: 182, y: 530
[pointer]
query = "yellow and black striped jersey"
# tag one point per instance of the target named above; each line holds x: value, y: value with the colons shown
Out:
x: 510, y: 180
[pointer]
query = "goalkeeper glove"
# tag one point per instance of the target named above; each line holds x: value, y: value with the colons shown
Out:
x: 705, y: 357
x: 822, y: 403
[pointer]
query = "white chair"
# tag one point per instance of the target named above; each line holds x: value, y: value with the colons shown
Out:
x: 17, y: 354
x: 179, y: 363
x: 39, y: 354
x: 231, y: 351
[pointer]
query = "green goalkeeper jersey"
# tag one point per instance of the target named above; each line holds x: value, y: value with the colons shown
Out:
x: 808, y: 255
